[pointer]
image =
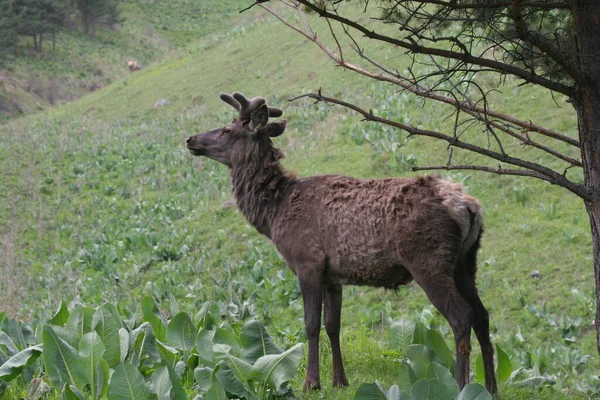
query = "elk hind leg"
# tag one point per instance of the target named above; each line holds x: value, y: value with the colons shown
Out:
x: 443, y: 293
x: 481, y: 326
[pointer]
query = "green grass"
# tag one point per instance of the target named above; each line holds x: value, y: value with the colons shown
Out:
x: 80, y: 64
x: 100, y: 201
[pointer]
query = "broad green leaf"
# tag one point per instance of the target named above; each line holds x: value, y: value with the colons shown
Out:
x: 181, y: 332
x: 167, y: 354
x: 232, y: 384
x: 80, y: 320
x: 370, y: 391
x: 123, y: 343
x: 179, y: 368
x: 395, y: 393
x: 535, y: 381
x: 223, y: 336
x: 91, y: 351
x: 204, y: 347
x: 212, y: 309
x: 479, y: 372
x: 474, y: 391
x: 256, y: 342
x: 15, y: 333
x: 190, y: 365
x: 161, y: 383
x: 127, y: 317
x: 203, y: 377
x: 177, y: 392
x: 127, y: 383
x: 112, y: 309
x: 15, y: 364
x: 406, y: 377
x: 28, y: 334
x: 144, y: 343
x: 420, y: 334
x: 420, y: 356
x: 438, y: 371
x: 101, y: 375
x: 104, y: 323
x: 61, y: 315
x: 401, y: 334
x: 8, y: 343
x: 216, y: 392
x: 504, y: 369
x: 70, y: 392
x: 241, y: 369
x: 154, y: 317
x: 275, y: 369
x: 4, y: 355
x: 441, y: 349
x: 430, y: 389
x: 68, y: 336
x: 61, y: 360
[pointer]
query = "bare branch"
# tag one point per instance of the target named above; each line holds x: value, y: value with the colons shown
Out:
x: 539, y: 42
x: 499, y: 4
x: 414, y: 47
x: 252, y: 5
x: 499, y: 170
x: 536, y: 170
x: 419, y: 90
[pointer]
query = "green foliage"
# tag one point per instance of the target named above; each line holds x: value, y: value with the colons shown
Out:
x: 8, y: 25
x: 93, y: 12
x: 119, y: 360
x: 387, y: 143
x: 103, y: 203
x: 426, y: 372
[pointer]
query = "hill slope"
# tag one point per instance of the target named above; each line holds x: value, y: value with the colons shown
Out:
x: 152, y: 30
x: 101, y: 201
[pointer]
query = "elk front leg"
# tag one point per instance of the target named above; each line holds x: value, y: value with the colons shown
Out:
x: 332, y: 300
x: 311, y: 288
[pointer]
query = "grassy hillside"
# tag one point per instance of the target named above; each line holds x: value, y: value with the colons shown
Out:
x: 100, y: 201
x: 152, y: 30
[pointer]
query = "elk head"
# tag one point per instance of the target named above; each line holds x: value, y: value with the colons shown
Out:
x: 251, y: 127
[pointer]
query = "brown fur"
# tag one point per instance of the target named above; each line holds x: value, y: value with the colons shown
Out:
x: 336, y: 230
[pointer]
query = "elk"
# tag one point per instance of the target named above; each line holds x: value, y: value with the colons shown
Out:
x: 336, y: 230
x: 134, y: 66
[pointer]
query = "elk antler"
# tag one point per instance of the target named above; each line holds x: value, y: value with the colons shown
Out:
x: 245, y: 107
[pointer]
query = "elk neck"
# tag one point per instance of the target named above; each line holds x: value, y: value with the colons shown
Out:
x: 260, y: 184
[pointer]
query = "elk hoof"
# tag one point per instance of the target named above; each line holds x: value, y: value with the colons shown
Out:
x: 311, y: 384
x: 340, y: 382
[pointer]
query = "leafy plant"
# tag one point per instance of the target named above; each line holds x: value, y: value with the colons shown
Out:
x: 426, y: 373
x: 102, y: 353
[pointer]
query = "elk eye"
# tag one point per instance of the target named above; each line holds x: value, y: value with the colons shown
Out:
x: 226, y: 131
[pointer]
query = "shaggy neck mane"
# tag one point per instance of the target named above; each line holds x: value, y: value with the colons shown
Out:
x: 260, y: 183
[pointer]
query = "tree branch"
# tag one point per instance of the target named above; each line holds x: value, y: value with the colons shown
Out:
x: 499, y: 4
x: 536, y: 170
x: 540, y: 42
x: 416, y: 48
x: 412, y: 86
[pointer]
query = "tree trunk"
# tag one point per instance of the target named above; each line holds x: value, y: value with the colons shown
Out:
x: 586, y: 15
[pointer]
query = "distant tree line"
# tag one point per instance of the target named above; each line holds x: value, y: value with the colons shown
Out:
x: 42, y: 19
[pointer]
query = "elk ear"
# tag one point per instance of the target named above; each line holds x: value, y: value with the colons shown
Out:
x: 259, y: 117
x: 275, y: 129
